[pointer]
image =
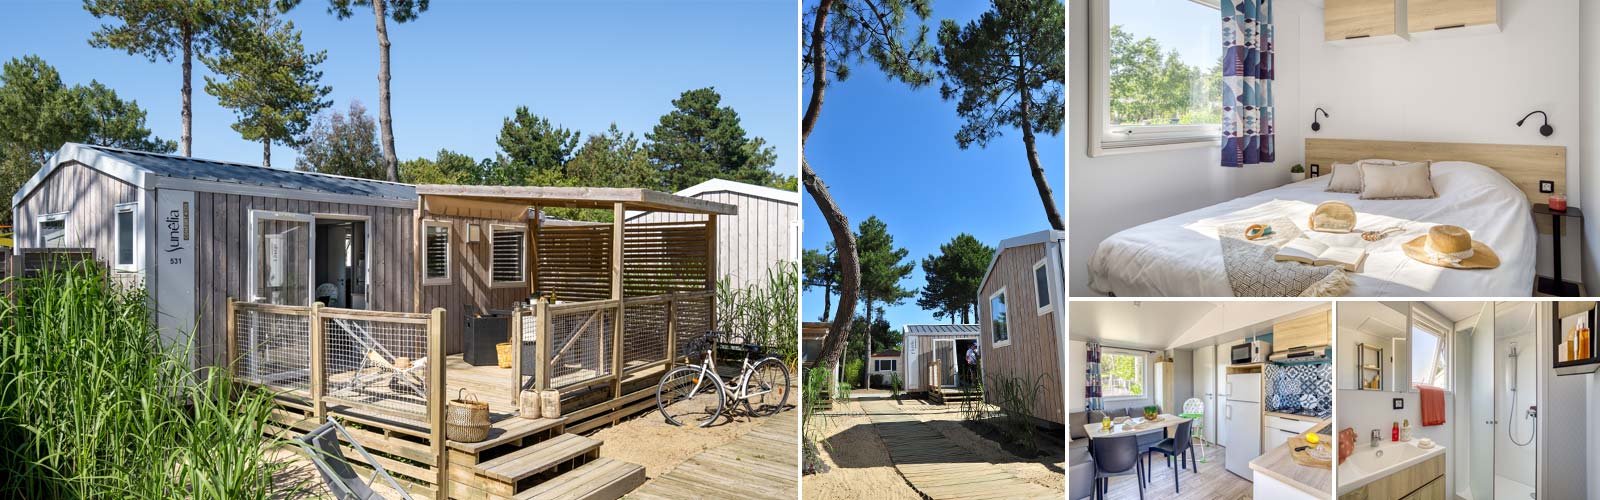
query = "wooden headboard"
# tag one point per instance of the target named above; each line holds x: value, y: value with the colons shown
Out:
x: 1524, y: 165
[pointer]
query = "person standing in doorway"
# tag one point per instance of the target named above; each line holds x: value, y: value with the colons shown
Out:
x: 970, y: 376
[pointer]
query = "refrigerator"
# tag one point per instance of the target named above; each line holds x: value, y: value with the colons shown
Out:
x: 1242, y: 416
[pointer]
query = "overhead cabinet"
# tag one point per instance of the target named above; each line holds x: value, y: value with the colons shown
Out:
x: 1306, y: 331
x: 1425, y: 18
x: 1365, y: 21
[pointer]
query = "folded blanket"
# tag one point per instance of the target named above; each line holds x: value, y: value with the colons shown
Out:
x: 1253, y: 273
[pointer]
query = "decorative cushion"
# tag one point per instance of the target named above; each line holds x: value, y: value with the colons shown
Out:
x: 1408, y: 181
x: 1346, y: 179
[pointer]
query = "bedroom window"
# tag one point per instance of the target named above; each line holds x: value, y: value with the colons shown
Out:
x: 1122, y: 374
x: 125, y: 236
x: 506, y: 259
x: 1430, y: 348
x: 999, y: 333
x: 52, y: 231
x: 1041, y: 287
x: 1155, y: 75
x: 436, y: 254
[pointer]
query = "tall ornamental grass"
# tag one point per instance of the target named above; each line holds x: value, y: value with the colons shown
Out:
x: 765, y: 312
x: 91, y: 406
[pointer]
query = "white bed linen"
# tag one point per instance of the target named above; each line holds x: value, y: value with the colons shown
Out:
x: 1180, y: 256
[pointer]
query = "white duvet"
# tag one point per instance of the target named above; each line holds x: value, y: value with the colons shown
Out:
x: 1180, y: 256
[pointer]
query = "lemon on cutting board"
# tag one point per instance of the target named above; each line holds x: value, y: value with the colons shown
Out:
x: 1311, y: 438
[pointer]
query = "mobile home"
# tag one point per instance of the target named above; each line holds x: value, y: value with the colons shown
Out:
x: 1026, y: 273
x: 933, y: 357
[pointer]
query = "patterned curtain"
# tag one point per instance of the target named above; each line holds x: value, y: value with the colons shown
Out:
x: 1247, y: 68
x: 1091, y: 378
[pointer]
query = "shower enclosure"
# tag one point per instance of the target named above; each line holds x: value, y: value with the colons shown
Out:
x: 1502, y: 348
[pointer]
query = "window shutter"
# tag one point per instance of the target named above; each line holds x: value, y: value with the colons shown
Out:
x: 437, y: 255
x: 507, y: 256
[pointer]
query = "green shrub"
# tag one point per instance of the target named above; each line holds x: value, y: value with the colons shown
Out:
x: 852, y: 370
x: 844, y: 391
x: 894, y: 385
x: 92, y: 406
x: 766, y: 312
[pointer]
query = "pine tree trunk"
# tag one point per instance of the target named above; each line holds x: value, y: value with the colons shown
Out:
x: 866, y: 375
x: 391, y: 164
x: 266, y: 153
x: 838, y: 224
x: 1050, y: 210
x: 827, y: 301
x: 187, y: 139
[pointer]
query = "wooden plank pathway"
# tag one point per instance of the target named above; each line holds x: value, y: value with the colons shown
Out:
x: 763, y: 464
x: 940, y: 469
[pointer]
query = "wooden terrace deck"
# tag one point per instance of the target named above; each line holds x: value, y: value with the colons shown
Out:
x: 763, y: 464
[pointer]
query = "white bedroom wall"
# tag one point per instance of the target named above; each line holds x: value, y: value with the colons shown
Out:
x: 1469, y: 88
x: 1076, y: 349
x: 1589, y: 133
x: 1111, y: 193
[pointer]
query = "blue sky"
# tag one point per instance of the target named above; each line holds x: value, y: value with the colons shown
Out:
x: 887, y: 150
x: 463, y: 66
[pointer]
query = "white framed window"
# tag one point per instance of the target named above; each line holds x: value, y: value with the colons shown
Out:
x: 280, y: 258
x: 126, y: 235
x: 1155, y: 75
x: 507, y: 255
x: 436, y: 258
x: 884, y: 365
x: 999, y: 333
x: 51, y: 231
x: 1430, y: 351
x: 1041, y: 287
x: 1122, y: 374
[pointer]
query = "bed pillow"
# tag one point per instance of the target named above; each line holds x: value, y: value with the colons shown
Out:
x: 1408, y: 181
x: 1346, y: 179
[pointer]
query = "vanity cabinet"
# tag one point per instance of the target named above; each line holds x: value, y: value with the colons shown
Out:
x: 1424, y: 481
x: 1361, y: 21
x: 1310, y: 330
x: 1442, y: 17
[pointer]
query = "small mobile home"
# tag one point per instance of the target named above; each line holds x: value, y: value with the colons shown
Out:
x: 883, y: 366
x: 935, y: 345
x: 1026, y: 273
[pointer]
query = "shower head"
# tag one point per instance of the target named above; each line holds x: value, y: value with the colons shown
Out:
x: 1512, y: 351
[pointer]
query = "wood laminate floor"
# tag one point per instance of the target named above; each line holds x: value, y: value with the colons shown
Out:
x: 1214, y: 482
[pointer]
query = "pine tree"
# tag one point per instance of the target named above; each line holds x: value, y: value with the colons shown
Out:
x: 953, y: 277
x: 700, y: 139
x: 268, y: 80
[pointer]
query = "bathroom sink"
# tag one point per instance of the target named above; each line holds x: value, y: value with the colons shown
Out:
x: 1369, y: 463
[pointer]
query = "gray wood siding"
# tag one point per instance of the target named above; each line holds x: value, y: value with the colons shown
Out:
x: 89, y: 197
x: 469, y: 291
x: 222, y: 225
x: 761, y: 235
x: 924, y: 359
x: 1035, y: 347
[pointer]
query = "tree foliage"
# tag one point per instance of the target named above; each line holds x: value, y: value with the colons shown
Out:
x: 876, y: 31
x: 953, y: 277
x: 701, y: 139
x: 1151, y: 85
x: 39, y: 113
x: 446, y: 167
x: 883, y: 266
x: 343, y: 144
x: 820, y: 269
x: 269, y: 80
x: 530, y: 144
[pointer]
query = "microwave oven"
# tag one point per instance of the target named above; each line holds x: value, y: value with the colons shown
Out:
x: 1255, y: 351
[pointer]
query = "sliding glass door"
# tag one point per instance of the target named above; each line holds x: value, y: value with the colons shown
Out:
x: 280, y: 257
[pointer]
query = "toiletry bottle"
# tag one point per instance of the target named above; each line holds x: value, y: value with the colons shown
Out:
x: 1405, y: 430
x: 1394, y: 432
x: 1584, y: 349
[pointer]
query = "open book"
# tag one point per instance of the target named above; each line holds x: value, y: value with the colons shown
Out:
x: 1307, y: 251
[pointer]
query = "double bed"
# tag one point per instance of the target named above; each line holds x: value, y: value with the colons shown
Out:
x: 1182, y: 256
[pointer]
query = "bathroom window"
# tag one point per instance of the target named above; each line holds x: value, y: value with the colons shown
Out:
x: 1430, y: 353
x: 1122, y: 374
x: 1155, y: 75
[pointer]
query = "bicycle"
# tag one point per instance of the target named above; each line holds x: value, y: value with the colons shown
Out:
x: 695, y: 393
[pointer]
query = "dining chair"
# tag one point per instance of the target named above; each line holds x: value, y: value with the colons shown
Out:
x: 1175, y: 448
x: 1116, y: 456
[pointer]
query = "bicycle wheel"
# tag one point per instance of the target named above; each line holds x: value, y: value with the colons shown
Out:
x: 686, y: 396
x: 769, y: 388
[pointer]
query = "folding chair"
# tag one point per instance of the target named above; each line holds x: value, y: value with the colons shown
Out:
x: 379, y: 357
x: 322, y: 445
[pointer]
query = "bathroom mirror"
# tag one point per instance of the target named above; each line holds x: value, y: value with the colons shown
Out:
x: 1574, y: 343
x: 1373, y: 346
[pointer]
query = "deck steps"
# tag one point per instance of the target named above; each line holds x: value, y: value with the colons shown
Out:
x: 542, y: 457
x: 946, y: 396
x: 600, y: 479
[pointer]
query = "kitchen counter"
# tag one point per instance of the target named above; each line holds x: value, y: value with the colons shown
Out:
x: 1295, y: 416
x: 1278, y: 466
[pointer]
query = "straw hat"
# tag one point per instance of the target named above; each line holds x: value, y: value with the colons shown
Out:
x: 1333, y: 217
x: 1453, y: 247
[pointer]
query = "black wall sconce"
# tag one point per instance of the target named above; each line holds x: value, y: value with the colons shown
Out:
x: 1544, y: 130
x: 1316, y: 125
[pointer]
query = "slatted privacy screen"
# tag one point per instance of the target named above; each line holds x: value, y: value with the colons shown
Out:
x: 581, y: 342
x: 436, y: 261
x: 644, y: 331
x: 507, y: 254
x: 575, y: 262
x: 273, y: 347
x: 693, y: 318
x: 379, y: 363
x: 664, y: 257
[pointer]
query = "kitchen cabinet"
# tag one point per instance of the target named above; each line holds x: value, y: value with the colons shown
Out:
x: 1426, y: 18
x: 1166, y: 392
x: 1364, y: 21
x: 1310, y: 330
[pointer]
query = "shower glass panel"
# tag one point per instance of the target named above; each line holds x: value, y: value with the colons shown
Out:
x: 1481, y: 392
x: 1515, y: 381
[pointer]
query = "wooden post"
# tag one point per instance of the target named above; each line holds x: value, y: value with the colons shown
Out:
x: 419, y: 254
x: 711, y: 270
x: 318, y: 367
x: 516, y: 356
x: 541, y: 345
x: 232, y: 329
x: 618, y: 234
x: 436, y: 402
x: 533, y: 253
x: 672, y: 331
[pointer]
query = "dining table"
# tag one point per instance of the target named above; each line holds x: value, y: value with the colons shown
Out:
x: 1133, y: 425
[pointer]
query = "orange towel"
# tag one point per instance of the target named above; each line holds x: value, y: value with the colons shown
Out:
x: 1432, y: 399
x: 1347, y: 443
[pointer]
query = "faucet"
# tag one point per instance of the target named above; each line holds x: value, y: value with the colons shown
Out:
x: 1377, y: 437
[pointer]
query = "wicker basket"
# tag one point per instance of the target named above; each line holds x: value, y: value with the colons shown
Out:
x: 502, y: 354
x: 466, y: 420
